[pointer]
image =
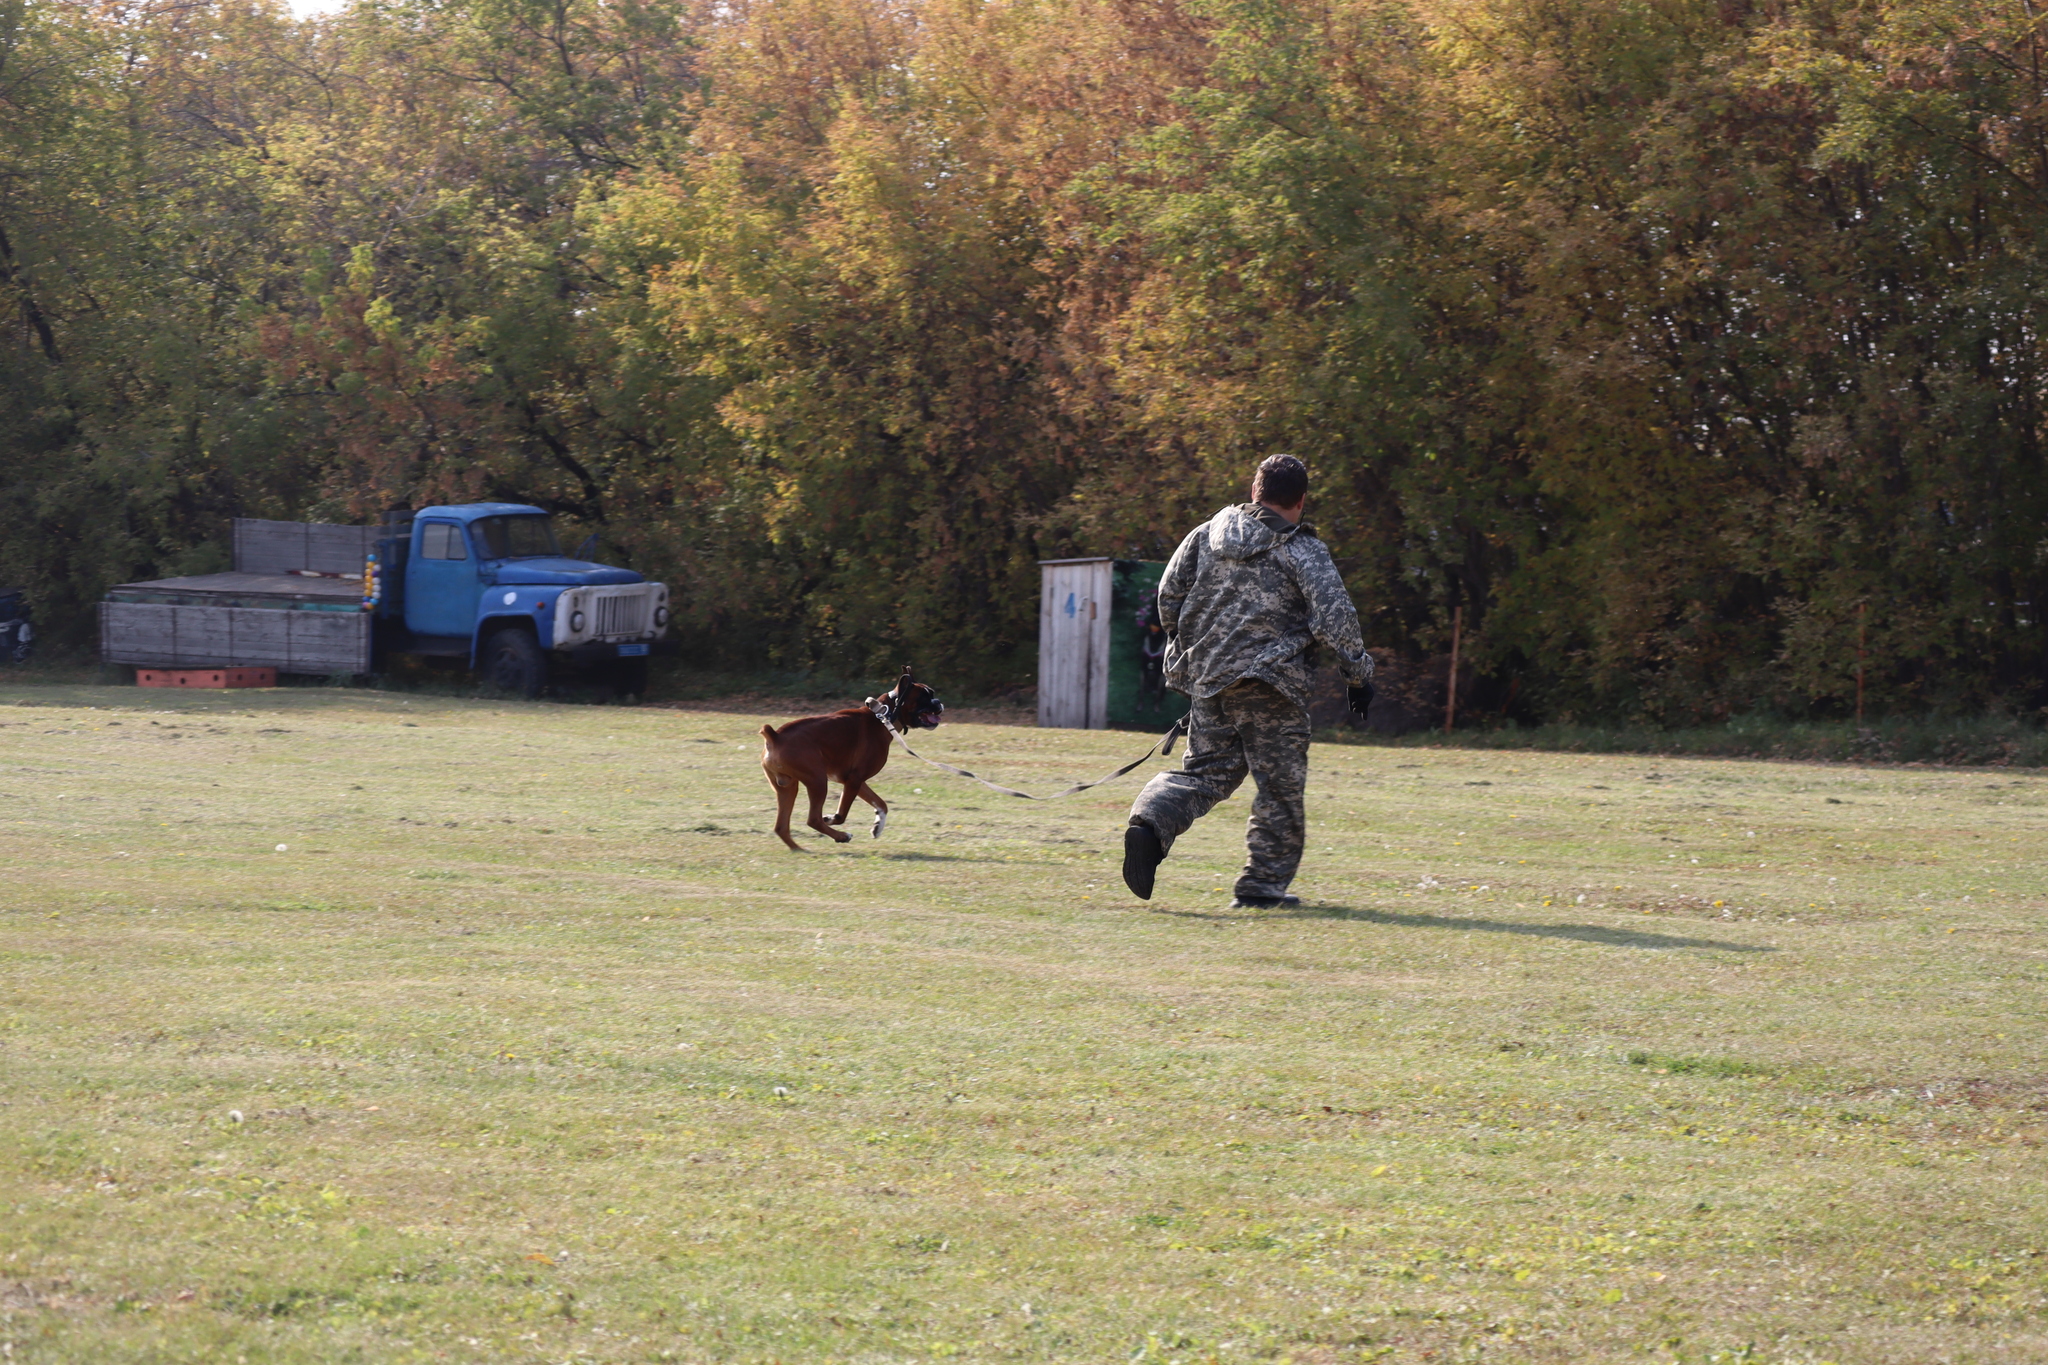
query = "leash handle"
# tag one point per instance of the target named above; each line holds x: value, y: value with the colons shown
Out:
x: 1163, y: 748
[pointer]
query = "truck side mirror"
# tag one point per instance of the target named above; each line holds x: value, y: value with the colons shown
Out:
x: 588, y: 547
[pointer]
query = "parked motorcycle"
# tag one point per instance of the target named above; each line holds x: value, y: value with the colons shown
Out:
x: 17, y: 634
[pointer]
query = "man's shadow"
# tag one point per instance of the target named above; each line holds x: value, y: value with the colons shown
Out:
x: 1584, y: 933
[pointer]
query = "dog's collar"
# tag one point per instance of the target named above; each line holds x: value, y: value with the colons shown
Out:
x: 882, y: 713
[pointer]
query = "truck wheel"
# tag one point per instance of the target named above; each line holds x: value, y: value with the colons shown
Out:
x: 512, y: 662
x: 629, y: 678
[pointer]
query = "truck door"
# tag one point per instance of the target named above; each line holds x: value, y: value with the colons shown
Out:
x: 440, y: 581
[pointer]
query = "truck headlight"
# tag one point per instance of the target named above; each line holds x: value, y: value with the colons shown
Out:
x: 660, y: 617
x: 576, y: 622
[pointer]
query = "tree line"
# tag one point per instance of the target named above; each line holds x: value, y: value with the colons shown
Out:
x: 1663, y: 339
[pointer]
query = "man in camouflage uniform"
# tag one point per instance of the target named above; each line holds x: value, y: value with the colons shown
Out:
x: 1244, y: 599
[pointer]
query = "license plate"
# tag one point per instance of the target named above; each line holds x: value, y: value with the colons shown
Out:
x: 631, y: 651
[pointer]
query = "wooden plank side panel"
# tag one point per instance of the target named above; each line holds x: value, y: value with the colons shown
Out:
x: 269, y: 546
x: 338, y: 549
x: 138, y: 633
x: 328, y: 641
x: 1100, y: 588
x: 282, y: 546
x: 259, y: 638
x: 1047, y: 649
x: 158, y: 635
x: 1073, y: 613
x: 206, y: 637
x: 1072, y: 675
x: 1056, y: 681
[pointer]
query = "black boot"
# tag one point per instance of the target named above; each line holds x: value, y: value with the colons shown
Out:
x: 1142, y: 856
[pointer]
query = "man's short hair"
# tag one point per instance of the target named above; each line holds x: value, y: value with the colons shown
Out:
x: 1282, y: 481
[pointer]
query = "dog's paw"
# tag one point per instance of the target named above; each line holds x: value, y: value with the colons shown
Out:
x: 881, y: 819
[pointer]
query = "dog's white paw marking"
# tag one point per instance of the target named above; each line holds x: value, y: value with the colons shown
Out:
x: 881, y: 819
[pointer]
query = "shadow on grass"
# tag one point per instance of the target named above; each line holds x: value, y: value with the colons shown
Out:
x: 1583, y: 933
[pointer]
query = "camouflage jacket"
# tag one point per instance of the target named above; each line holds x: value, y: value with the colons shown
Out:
x: 1245, y: 596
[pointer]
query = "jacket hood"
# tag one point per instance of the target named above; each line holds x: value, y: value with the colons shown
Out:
x: 563, y: 573
x: 1240, y: 532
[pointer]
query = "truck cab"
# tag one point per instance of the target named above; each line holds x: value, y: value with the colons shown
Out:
x: 489, y: 582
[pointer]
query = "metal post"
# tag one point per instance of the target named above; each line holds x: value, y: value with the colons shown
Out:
x: 1862, y: 638
x: 1451, y: 694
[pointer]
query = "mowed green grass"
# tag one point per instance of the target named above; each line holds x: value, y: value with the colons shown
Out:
x: 532, y: 1044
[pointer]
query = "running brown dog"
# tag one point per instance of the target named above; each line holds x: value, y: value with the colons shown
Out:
x: 848, y: 747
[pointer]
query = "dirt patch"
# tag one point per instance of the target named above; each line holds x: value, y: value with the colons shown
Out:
x: 1684, y: 905
x: 1978, y: 1092
x: 19, y: 1296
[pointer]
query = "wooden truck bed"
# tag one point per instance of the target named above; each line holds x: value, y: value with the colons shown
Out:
x: 271, y: 591
x: 261, y: 616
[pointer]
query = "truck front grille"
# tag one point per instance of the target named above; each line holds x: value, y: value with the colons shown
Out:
x: 621, y: 613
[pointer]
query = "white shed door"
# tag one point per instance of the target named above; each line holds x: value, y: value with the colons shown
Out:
x: 1073, y: 646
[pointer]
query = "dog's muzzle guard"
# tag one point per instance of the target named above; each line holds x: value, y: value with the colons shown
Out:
x: 885, y: 711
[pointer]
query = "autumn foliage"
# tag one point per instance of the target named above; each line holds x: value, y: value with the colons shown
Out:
x: 1660, y: 336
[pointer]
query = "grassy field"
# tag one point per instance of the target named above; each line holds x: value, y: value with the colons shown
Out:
x: 360, y: 1026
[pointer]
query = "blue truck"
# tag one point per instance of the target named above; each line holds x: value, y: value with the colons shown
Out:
x: 486, y: 584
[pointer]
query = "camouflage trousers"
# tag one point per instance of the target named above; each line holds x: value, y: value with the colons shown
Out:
x: 1247, y: 728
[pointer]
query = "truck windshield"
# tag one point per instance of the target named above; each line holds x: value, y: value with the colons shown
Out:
x: 515, y: 537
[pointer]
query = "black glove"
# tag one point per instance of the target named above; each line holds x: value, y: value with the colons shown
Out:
x: 1361, y: 699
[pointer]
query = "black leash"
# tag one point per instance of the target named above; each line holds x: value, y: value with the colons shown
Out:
x: 1164, y: 748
